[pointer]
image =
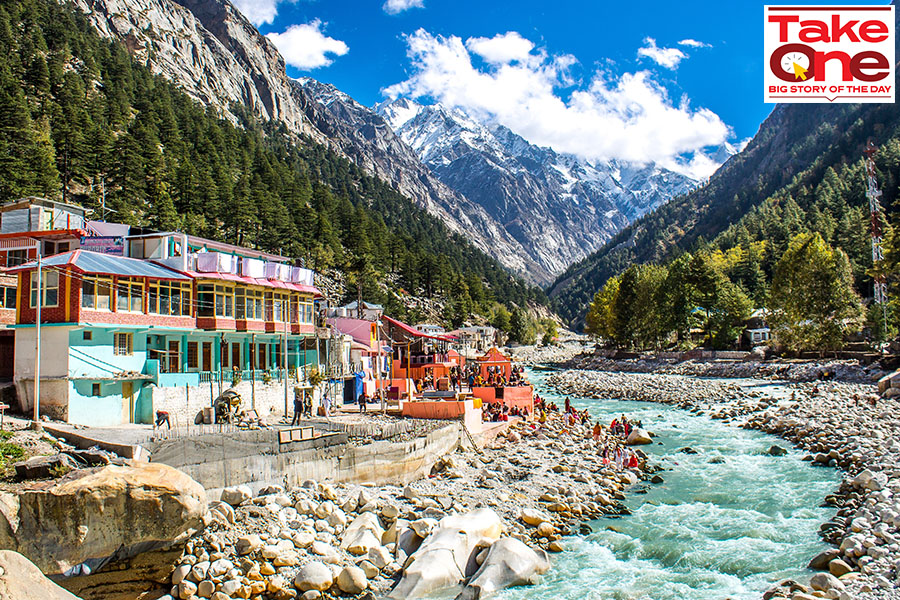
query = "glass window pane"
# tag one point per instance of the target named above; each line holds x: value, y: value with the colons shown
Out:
x: 88, y: 293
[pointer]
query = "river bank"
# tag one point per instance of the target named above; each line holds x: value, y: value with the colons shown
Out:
x: 836, y: 423
x: 542, y: 482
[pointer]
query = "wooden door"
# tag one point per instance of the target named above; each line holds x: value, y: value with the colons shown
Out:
x: 174, y: 358
x: 128, y: 402
x: 207, y: 356
x: 236, y: 355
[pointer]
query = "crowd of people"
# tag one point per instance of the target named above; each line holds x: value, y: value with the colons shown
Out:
x: 610, y: 441
x: 497, y: 411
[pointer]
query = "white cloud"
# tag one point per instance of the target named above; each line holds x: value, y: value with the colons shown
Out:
x: 628, y: 117
x: 501, y: 49
x: 306, y: 47
x: 691, y: 43
x: 393, y: 7
x: 258, y: 12
x: 665, y: 57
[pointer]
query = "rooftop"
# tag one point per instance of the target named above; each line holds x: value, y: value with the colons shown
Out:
x: 106, y: 264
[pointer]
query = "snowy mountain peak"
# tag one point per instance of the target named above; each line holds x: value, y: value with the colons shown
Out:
x: 398, y: 112
x: 558, y: 206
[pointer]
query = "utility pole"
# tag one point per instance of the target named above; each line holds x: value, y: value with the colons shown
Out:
x: 36, y: 418
x: 284, y: 355
x: 873, y: 193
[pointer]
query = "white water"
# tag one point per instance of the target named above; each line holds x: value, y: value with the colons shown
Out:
x: 710, y: 531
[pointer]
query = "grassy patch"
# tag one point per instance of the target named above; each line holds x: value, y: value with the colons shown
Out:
x: 5, y: 435
x: 10, y: 451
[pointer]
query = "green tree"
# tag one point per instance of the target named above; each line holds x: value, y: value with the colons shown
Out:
x: 520, y: 327
x: 501, y: 319
x: 732, y: 308
x: 812, y: 300
x: 600, y: 321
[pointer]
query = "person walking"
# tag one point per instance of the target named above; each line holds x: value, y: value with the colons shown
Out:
x: 362, y: 402
x: 298, y: 406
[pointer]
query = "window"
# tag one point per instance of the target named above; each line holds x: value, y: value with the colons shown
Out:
x: 123, y: 344
x: 305, y: 310
x: 7, y: 297
x: 96, y: 293
x: 87, y: 335
x: 240, y: 311
x: 51, y: 248
x: 216, y: 300
x: 254, y: 304
x: 275, y: 306
x: 95, y: 389
x: 16, y: 257
x: 170, y: 298
x: 130, y: 295
x: 193, y: 361
x: 50, y: 288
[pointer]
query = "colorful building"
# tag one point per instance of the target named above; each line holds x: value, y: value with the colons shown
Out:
x: 166, y: 327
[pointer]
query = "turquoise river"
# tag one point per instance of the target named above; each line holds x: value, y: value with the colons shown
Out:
x: 728, y: 522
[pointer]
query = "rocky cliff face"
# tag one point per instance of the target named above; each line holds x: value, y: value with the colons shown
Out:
x: 212, y: 52
x: 532, y: 209
x: 559, y: 207
x: 209, y: 49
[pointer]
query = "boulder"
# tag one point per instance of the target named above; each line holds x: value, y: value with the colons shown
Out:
x: 820, y: 561
x: 638, y: 437
x: 44, y: 467
x: 237, y: 495
x: 314, y: 576
x: 448, y: 554
x: 825, y: 581
x: 363, y: 533
x: 776, y: 450
x: 352, y: 580
x: 20, y: 579
x: 837, y: 567
x: 533, y: 516
x: 92, y: 515
x: 509, y: 563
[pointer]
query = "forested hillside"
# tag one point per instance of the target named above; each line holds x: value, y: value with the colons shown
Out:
x: 801, y: 171
x: 80, y: 120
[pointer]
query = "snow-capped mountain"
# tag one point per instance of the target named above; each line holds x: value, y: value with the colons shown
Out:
x: 560, y: 208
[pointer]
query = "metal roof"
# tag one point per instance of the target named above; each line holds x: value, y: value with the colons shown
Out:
x: 106, y: 264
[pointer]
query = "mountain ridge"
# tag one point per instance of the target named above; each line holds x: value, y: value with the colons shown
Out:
x: 558, y: 206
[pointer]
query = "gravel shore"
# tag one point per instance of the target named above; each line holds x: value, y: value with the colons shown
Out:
x: 840, y: 423
x: 543, y: 482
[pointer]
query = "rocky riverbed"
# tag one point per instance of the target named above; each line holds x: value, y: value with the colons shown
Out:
x: 840, y: 424
x: 540, y: 483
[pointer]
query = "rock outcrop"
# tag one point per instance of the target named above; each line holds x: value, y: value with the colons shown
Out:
x: 509, y: 562
x: 447, y: 554
x: 91, y: 515
x: 20, y: 579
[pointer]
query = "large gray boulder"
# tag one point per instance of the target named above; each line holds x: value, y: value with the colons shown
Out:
x: 447, y: 554
x: 94, y: 515
x: 509, y: 563
x: 638, y: 437
x: 20, y: 579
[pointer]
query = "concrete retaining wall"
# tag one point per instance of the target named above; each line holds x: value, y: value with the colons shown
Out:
x: 184, y: 402
x: 256, y: 458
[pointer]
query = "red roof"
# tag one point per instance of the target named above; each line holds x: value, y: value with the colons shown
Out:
x: 413, y: 331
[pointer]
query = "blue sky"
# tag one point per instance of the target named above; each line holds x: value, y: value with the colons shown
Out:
x: 664, y: 81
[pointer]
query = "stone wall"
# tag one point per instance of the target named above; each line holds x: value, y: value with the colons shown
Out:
x: 184, y: 402
x: 257, y: 459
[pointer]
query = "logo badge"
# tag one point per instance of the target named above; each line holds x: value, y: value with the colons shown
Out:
x: 820, y: 54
